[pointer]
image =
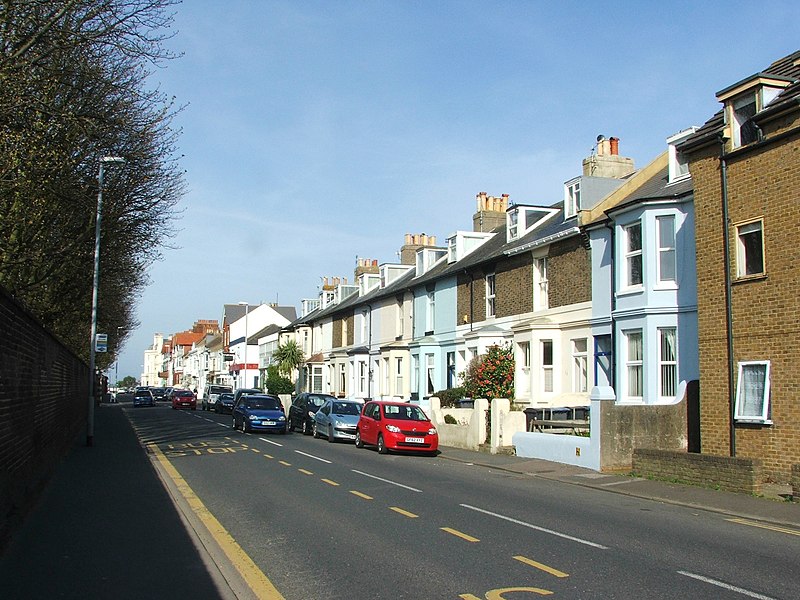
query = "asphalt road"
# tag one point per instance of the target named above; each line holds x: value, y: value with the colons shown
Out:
x: 331, y: 521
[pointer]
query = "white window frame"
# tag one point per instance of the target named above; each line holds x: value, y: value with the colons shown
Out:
x: 430, y: 372
x: 385, y: 386
x: 362, y: 377
x: 400, y: 318
x: 316, y: 379
x: 580, y: 365
x: 491, y: 288
x: 342, y: 379
x: 398, y: 376
x: 634, y: 364
x: 738, y: 120
x: 740, y: 414
x: 667, y: 364
x: 633, y: 256
x: 572, y: 198
x: 548, y: 370
x: 524, y: 356
x: 540, y: 284
x: 666, y: 250
x: 742, y: 230
x: 415, y: 373
x: 430, y: 311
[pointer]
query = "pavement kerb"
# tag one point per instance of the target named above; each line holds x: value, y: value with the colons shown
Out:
x: 646, y: 496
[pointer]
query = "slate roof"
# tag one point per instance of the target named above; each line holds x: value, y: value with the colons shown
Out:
x: 657, y: 188
x: 787, y: 68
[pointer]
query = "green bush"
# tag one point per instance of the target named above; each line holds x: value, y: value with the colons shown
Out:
x: 277, y: 383
x: 491, y: 375
x: 448, y: 397
x: 450, y: 419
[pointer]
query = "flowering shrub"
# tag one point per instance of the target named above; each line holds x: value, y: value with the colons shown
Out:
x: 490, y: 375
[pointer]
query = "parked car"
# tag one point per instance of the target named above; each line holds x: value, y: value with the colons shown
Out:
x: 183, y: 399
x: 303, y: 408
x: 396, y: 426
x: 261, y: 412
x: 143, y: 398
x: 211, y: 394
x: 337, y: 419
x: 224, y: 403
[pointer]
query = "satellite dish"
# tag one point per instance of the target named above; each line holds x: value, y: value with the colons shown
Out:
x: 600, y: 138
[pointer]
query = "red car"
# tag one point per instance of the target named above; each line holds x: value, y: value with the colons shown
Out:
x: 183, y: 399
x: 396, y: 426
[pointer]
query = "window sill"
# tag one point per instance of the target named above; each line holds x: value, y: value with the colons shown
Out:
x: 749, y: 278
x: 666, y: 286
x: 754, y: 421
x: 631, y: 291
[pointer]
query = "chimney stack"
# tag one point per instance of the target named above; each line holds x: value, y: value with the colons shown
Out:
x: 607, y: 162
x: 408, y: 253
x: 491, y: 212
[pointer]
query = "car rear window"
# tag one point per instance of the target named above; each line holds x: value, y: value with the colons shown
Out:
x: 183, y: 393
x: 263, y: 403
x: 406, y: 412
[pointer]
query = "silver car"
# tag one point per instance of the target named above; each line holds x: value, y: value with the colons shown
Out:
x: 337, y: 420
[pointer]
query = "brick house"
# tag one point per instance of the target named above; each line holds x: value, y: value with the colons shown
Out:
x: 745, y: 164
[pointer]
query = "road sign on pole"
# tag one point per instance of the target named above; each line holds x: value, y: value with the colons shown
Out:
x: 101, y: 342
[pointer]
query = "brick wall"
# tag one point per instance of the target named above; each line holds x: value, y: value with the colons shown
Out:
x: 514, y: 285
x: 796, y: 482
x: 569, y: 273
x: 43, y: 405
x: 742, y: 475
x: 762, y: 183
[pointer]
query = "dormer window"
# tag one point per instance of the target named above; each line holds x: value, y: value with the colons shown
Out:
x: 744, y: 100
x: 522, y: 219
x: 513, y: 220
x: 572, y: 198
x: 678, y: 165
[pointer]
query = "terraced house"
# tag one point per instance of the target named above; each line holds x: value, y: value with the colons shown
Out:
x: 745, y: 164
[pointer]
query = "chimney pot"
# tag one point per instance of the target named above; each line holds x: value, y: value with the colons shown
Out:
x: 614, y: 142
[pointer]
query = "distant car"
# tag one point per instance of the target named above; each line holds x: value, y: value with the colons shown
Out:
x: 183, y: 399
x: 303, y: 408
x: 211, y: 394
x: 261, y: 412
x: 159, y: 393
x: 224, y: 403
x: 143, y: 398
x: 337, y: 419
x: 398, y: 426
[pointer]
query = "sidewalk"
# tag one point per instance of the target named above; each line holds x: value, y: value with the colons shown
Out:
x: 106, y: 527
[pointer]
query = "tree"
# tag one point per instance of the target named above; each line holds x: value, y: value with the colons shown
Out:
x: 288, y: 357
x: 277, y: 383
x: 128, y: 381
x: 73, y: 88
x: 490, y: 375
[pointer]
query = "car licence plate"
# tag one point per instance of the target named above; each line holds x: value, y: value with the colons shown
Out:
x: 415, y: 440
x: 268, y: 422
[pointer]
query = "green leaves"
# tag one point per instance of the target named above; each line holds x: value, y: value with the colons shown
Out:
x: 490, y: 375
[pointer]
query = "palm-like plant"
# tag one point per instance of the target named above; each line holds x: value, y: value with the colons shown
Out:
x: 288, y: 357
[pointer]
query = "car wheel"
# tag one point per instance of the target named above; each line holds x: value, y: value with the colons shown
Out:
x: 305, y: 427
x: 359, y: 442
x: 245, y: 426
x: 382, y: 449
x: 315, y: 431
x: 330, y: 434
x: 289, y: 425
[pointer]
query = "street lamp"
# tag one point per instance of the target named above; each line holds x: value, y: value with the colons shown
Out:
x: 246, y: 312
x: 95, y: 285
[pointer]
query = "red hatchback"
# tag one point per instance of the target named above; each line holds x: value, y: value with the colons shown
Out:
x: 396, y: 426
x: 183, y: 399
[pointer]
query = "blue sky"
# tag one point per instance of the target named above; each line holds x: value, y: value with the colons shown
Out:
x: 318, y: 132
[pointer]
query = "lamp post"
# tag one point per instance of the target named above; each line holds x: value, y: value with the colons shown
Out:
x: 95, y: 286
x: 246, y: 312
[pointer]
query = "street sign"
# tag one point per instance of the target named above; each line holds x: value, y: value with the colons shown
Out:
x: 101, y: 342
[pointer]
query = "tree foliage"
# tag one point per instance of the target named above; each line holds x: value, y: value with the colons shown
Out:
x: 277, y: 383
x: 490, y: 375
x: 288, y: 357
x: 74, y: 88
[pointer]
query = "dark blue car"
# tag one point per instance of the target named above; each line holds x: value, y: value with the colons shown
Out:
x: 260, y: 412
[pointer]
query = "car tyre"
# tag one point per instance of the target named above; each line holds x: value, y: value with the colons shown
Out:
x: 382, y: 449
x: 359, y: 441
x: 304, y: 428
x: 245, y: 426
x: 315, y: 431
x: 330, y: 434
x: 234, y: 423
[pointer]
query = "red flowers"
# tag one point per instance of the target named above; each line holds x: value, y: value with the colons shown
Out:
x: 490, y: 375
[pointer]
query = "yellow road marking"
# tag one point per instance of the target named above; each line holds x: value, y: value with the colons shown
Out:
x: 284, y: 463
x: 269, y: 456
x: 360, y: 495
x: 403, y: 512
x: 304, y: 471
x: 329, y: 482
x: 498, y: 593
x: 765, y: 526
x: 541, y: 567
x: 259, y: 583
x: 457, y: 533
